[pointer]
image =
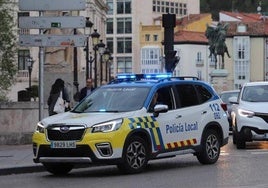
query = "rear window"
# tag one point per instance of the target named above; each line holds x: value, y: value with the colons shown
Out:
x: 187, y: 95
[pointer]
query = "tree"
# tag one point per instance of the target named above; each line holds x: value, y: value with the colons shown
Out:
x: 8, y: 49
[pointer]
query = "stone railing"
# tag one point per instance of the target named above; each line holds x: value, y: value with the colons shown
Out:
x: 18, y: 121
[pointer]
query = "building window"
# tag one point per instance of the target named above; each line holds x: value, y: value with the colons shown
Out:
x: 22, y: 57
x: 147, y: 37
x: 124, y: 25
x: 110, y: 6
x: 23, y: 30
x: 151, y: 56
x: 110, y: 44
x: 165, y: 7
x: 123, y: 6
x: 110, y: 26
x: 124, y: 65
x: 241, y: 61
x: 199, y: 56
x: 124, y: 45
x: 155, y: 38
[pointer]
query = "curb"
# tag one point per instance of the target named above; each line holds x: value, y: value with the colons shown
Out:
x: 20, y: 170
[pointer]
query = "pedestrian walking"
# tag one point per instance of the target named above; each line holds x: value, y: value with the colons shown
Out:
x: 57, y: 89
x: 86, y: 90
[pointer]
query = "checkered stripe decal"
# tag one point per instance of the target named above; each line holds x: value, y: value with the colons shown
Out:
x: 150, y: 123
x: 181, y: 144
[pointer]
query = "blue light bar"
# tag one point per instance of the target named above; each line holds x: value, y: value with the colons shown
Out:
x: 158, y: 76
x: 126, y: 76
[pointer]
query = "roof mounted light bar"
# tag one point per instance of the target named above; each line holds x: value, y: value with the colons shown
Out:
x: 149, y: 77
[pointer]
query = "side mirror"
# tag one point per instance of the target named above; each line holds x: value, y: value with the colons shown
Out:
x: 160, y: 108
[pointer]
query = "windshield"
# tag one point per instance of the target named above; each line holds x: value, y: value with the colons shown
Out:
x: 255, y: 93
x: 116, y: 99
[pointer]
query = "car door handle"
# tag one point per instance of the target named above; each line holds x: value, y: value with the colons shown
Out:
x: 204, y: 112
x: 178, y: 116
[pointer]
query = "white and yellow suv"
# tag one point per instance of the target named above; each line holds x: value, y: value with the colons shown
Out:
x: 124, y: 124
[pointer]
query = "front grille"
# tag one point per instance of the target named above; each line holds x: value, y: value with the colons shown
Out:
x: 264, y: 116
x: 79, y: 151
x: 65, y: 132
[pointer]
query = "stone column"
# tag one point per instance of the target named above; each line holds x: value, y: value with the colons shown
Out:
x: 219, y: 79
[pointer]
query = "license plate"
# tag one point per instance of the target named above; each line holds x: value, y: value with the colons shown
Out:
x: 63, y: 144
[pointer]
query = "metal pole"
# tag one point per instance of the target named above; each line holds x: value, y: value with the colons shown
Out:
x: 87, y: 66
x: 76, y: 84
x: 95, y: 66
x: 101, y: 72
x: 106, y: 70
x: 30, y: 74
x: 41, y: 76
x: 90, y: 68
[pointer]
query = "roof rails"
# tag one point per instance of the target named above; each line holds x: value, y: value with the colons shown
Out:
x: 148, y: 77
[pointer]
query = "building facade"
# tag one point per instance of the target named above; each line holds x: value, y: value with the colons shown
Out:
x: 58, y: 61
x: 135, y: 36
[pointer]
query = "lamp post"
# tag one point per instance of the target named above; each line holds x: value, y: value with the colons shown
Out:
x: 95, y: 40
x: 107, y: 58
x: 88, y: 27
x: 30, y: 62
x: 101, y: 49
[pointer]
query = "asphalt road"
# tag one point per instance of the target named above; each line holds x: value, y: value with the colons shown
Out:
x: 235, y: 168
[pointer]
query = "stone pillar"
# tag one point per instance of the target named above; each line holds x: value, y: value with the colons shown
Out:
x: 219, y: 79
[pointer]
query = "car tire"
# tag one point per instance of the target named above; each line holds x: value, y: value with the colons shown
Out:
x: 240, y: 141
x: 234, y: 137
x: 135, y: 156
x: 58, y: 168
x: 210, y: 148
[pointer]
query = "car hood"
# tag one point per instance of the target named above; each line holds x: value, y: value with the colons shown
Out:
x: 261, y: 107
x: 88, y: 119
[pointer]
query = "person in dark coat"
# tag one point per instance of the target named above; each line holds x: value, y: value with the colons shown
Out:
x: 56, y: 88
x: 86, y: 90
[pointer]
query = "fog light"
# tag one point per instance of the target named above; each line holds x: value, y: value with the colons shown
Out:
x: 105, y: 149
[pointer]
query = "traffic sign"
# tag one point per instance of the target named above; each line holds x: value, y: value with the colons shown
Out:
x: 58, y: 5
x: 52, y: 40
x: 52, y: 22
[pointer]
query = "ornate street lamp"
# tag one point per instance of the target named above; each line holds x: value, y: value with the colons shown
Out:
x: 101, y: 49
x: 88, y: 27
x: 30, y: 62
x: 106, y: 57
x: 95, y: 40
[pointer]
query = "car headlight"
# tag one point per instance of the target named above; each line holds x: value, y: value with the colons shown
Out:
x: 40, y: 128
x: 107, y: 126
x: 245, y: 113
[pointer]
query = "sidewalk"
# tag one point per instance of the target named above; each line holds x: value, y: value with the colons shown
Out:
x: 16, y: 159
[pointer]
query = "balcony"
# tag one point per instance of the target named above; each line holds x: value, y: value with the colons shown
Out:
x: 199, y: 62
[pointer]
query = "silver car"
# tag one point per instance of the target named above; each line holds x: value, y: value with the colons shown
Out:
x: 225, y: 95
x: 250, y: 114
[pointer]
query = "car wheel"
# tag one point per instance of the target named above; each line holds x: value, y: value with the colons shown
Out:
x: 234, y: 137
x: 210, y: 149
x: 135, y: 156
x: 58, y: 168
x: 240, y: 141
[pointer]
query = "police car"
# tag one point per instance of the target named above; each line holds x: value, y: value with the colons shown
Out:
x: 134, y: 119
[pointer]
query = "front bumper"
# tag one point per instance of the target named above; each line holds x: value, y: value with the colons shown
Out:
x: 92, y: 148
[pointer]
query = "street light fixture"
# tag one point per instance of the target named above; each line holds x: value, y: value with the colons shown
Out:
x: 88, y: 27
x: 101, y: 49
x: 30, y: 62
x: 107, y: 58
x: 95, y: 40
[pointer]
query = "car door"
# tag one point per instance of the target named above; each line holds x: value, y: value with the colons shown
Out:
x: 180, y: 125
